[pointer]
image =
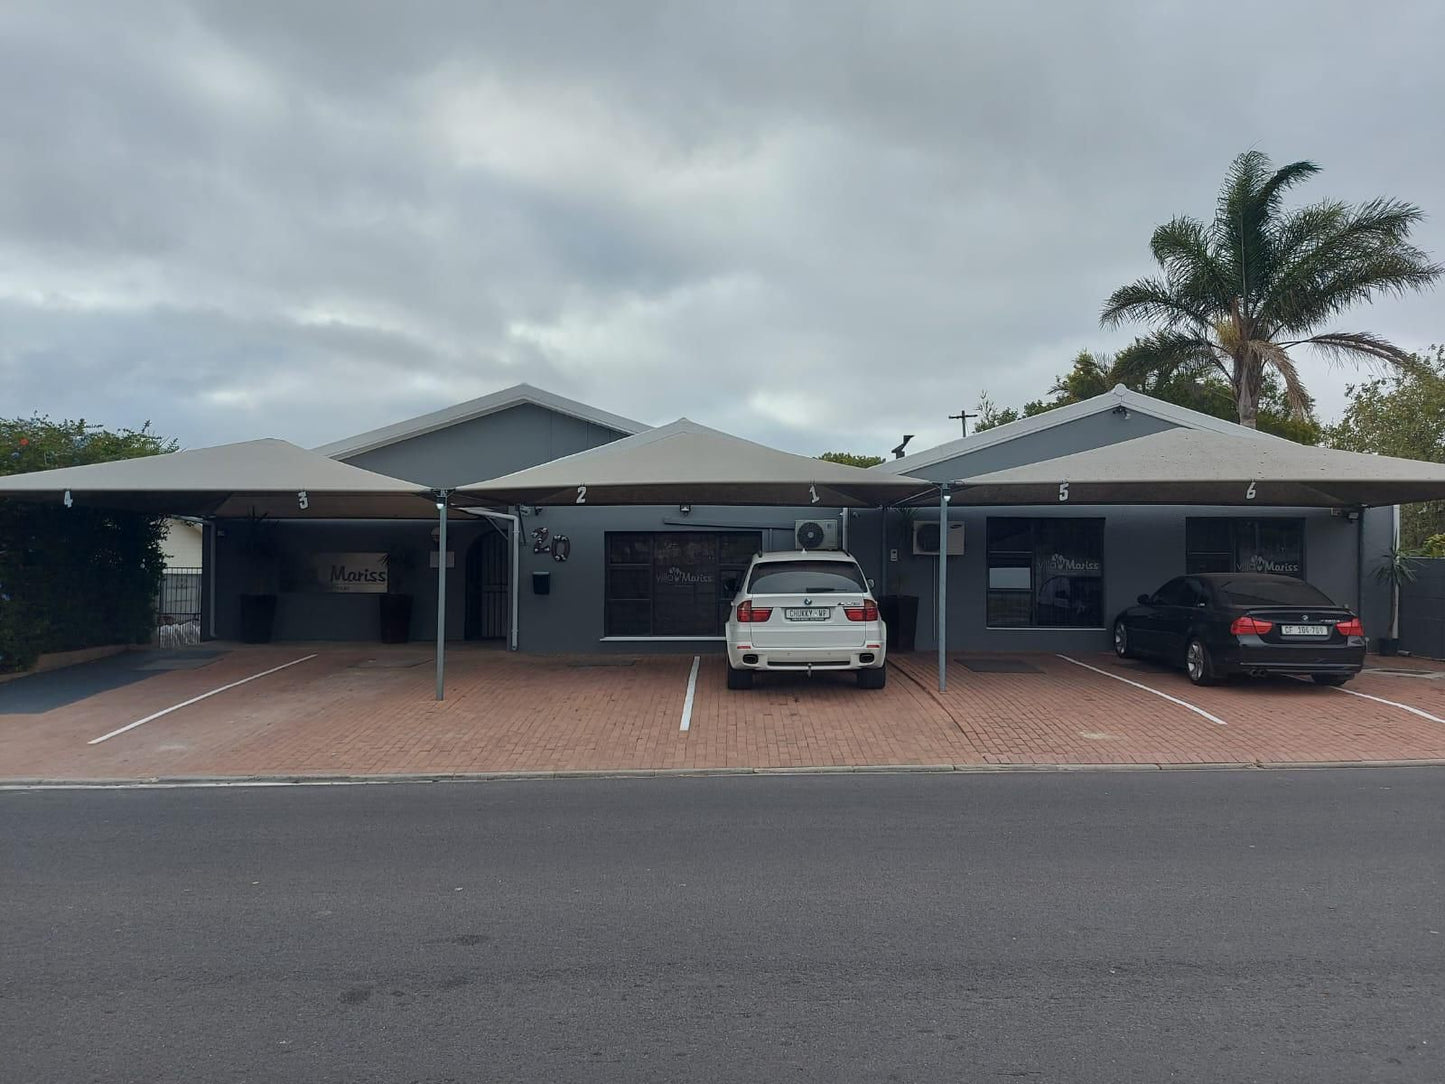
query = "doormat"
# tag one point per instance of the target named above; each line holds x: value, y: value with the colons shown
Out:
x: 994, y: 664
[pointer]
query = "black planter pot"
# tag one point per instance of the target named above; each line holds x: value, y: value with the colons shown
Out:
x: 395, y: 618
x: 1387, y: 645
x: 900, y: 614
x: 258, y: 618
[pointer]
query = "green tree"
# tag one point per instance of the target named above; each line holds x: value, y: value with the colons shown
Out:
x: 1094, y: 374
x: 1402, y: 414
x: 73, y: 577
x: 852, y: 459
x: 1237, y: 295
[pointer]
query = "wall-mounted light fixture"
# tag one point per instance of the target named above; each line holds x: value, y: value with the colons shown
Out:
x: 684, y: 509
x: 1122, y: 411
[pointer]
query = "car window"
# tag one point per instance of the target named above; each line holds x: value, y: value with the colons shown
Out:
x: 1198, y: 594
x: 813, y: 577
x: 1270, y: 591
x: 1171, y: 594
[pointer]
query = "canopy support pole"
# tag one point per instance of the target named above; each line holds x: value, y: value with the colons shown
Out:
x: 516, y: 573
x: 942, y: 587
x: 441, y: 593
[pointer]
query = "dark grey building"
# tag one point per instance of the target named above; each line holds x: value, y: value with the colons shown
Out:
x: 660, y: 578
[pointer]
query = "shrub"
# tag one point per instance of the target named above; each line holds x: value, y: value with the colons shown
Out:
x: 73, y: 577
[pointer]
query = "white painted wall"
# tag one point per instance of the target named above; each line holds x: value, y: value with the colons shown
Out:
x: 182, y: 544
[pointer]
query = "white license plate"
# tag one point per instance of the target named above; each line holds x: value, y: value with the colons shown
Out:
x: 1305, y: 630
x: 817, y: 613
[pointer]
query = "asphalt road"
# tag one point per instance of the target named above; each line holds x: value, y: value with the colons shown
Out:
x: 1264, y: 926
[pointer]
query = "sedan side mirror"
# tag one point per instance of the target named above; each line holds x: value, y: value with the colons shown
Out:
x: 1144, y: 600
x: 872, y: 583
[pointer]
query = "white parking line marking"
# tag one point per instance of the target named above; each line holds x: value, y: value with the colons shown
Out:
x: 1393, y: 704
x: 1172, y: 699
x: 691, y: 692
x: 193, y: 700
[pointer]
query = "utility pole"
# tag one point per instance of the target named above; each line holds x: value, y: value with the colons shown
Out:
x: 962, y: 416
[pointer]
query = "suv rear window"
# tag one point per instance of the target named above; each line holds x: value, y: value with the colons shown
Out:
x: 1281, y: 591
x: 805, y: 577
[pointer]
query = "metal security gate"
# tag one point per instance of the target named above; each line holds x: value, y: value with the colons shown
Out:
x: 178, y: 607
x: 488, y: 587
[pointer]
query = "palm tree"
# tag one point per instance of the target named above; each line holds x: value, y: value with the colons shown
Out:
x: 1239, y: 294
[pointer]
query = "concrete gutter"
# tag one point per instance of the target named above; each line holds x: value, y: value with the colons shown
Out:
x: 690, y: 773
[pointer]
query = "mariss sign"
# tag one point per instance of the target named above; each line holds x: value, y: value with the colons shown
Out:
x: 349, y: 573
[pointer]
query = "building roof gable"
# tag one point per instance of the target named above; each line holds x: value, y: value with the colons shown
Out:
x: 1120, y: 396
x: 472, y: 409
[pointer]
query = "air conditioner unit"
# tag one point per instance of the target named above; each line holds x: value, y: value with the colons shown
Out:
x: 816, y: 534
x: 925, y: 539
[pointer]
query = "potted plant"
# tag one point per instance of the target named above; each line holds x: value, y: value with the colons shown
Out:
x: 899, y: 610
x: 260, y: 549
x: 1397, y: 567
x: 396, y: 603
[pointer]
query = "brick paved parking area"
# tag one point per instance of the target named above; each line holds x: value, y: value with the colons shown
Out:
x: 364, y: 710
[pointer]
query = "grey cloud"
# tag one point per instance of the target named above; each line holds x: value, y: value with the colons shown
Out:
x: 815, y: 226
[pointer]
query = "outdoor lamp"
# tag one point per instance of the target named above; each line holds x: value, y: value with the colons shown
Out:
x: 684, y: 508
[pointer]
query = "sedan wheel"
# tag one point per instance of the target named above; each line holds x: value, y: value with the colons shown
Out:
x: 1197, y: 663
x: 1121, y: 641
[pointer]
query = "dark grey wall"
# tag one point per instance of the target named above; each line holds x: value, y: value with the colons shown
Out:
x: 1377, y: 534
x: 570, y: 618
x: 1422, y: 610
x: 1143, y: 547
x: 487, y: 447
x: 315, y: 615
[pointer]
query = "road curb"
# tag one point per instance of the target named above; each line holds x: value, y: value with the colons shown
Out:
x: 689, y: 773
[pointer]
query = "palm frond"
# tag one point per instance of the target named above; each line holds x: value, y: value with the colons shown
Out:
x: 1277, y: 358
x: 1238, y: 232
x: 1334, y: 257
x: 1165, y: 355
x: 1151, y: 300
x: 1354, y: 346
x: 1286, y: 177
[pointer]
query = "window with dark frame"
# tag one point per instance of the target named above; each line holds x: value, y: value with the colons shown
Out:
x: 1045, y: 573
x: 1236, y: 544
x: 673, y: 583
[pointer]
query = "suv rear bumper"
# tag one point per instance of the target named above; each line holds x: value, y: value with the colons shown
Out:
x: 813, y: 658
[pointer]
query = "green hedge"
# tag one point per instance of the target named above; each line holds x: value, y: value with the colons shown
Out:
x: 73, y: 577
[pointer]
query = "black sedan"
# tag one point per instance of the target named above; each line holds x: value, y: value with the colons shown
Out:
x: 1221, y: 623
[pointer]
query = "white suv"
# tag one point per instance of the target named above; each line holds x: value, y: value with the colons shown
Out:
x: 804, y: 611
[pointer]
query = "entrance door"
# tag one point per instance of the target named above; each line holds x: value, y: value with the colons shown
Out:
x: 488, y: 587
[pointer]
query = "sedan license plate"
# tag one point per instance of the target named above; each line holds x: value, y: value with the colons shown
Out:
x: 816, y: 613
x: 1304, y: 630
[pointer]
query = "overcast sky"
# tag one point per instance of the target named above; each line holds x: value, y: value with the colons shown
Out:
x: 817, y: 225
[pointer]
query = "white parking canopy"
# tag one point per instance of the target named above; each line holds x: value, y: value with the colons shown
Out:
x: 1190, y: 466
x: 270, y: 477
x: 688, y: 463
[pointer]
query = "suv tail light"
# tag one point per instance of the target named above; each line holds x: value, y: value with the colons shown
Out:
x: 1250, y: 626
x: 747, y: 612
x: 1351, y: 627
x: 866, y: 612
